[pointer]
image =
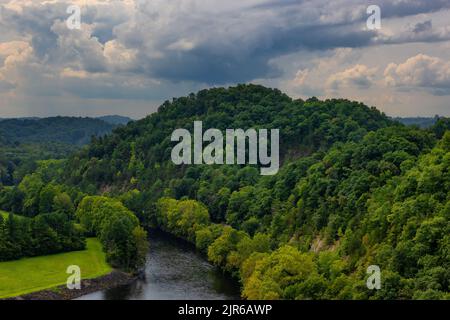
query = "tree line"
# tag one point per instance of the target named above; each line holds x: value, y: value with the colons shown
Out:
x: 44, y: 234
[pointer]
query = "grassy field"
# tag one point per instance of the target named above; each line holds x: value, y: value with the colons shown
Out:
x: 39, y: 273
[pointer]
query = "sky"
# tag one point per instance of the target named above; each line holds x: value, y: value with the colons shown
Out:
x: 129, y: 56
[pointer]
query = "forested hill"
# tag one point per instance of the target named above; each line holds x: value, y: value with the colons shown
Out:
x: 68, y: 130
x: 115, y: 119
x: 355, y: 189
x: 23, y: 141
x: 139, y: 149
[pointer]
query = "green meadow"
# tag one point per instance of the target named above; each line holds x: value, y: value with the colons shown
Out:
x: 44, y: 272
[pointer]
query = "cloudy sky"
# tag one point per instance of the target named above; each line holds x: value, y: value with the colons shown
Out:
x: 131, y: 55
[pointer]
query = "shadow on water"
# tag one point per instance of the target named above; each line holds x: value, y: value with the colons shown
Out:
x: 174, y: 271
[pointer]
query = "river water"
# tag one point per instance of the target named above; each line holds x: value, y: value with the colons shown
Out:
x: 174, y: 271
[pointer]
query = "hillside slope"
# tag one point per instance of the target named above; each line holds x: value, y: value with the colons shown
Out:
x: 355, y: 189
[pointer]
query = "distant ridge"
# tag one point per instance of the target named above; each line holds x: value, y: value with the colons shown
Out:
x: 422, y: 122
x: 21, y: 118
x: 111, y: 119
x: 75, y: 131
x: 115, y: 119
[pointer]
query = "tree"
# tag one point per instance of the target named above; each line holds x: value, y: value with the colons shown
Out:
x: 118, y: 229
x: 62, y: 203
x: 116, y: 234
x: 31, y: 186
x: 273, y: 275
x: 206, y: 235
x: 46, y: 198
x: 142, y: 246
x: 182, y: 218
x: 222, y: 250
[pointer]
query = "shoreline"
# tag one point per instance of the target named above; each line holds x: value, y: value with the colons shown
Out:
x: 111, y: 280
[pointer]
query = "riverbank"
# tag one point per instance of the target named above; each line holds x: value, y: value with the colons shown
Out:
x: 111, y: 280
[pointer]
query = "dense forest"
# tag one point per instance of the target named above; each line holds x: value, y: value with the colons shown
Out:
x: 24, y: 141
x: 355, y: 188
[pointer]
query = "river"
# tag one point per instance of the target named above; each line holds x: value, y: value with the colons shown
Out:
x: 174, y: 271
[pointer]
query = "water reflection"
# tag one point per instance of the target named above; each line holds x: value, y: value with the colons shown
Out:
x: 174, y: 270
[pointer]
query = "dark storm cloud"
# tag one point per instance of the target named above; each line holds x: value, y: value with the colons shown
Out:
x: 212, y: 63
x: 419, y: 32
x: 389, y: 8
x: 423, y: 26
x: 216, y: 43
x: 240, y: 45
x: 291, y: 26
x: 36, y: 23
x: 412, y: 7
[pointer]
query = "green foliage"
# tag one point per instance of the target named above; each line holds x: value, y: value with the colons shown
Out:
x: 24, y: 142
x: 93, y: 211
x: 181, y: 218
x: 272, y: 275
x: 305, y: 128
x: 124, y: 241
x: 205, y: 236
x: 412, y: 214
x: 223, y: 251
x: 41, y: 235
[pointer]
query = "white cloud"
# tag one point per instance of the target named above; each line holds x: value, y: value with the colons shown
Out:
x: 300, y: 77
x: 359, y: 76
x: 14, y: 56
x: 421, y: 71
x: 118, y: 57
x: 182, y: 45
x: 70, y: 73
